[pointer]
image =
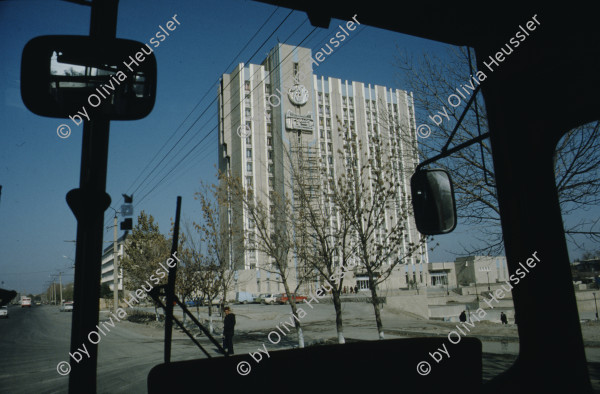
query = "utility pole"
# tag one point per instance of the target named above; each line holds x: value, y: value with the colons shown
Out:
x: 127, y: 224
x: 60, y: 281
x: 596, y: 305
x: 447, y: 278
x: 170, y: 288
x: 115, y: 268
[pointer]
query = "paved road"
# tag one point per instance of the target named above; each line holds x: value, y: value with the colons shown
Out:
x: 33, y: 341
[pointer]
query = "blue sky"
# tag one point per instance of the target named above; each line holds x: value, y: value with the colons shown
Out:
x: 37, y: 168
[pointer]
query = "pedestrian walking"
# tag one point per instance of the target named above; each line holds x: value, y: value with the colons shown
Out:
x: 503, y: 318
x: 228, y: 328
x: 463, y: 317
x: 356, y: 289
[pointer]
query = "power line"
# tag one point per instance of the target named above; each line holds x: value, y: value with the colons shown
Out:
x: 207, y: 92
x: 27, y: 273
x: 191, y: 112
x: 215, y: 99
x: 215, y: 127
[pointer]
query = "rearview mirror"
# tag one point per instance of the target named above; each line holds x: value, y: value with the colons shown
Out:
x: 109, y: 79
x: 433, y: 201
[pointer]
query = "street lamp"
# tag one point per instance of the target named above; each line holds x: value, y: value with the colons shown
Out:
x: 475, y: 275
x: 115, y: 262
x: 53, y: 292
x: 73, y: 261
x: 487, y: 271
x: 468, y: 312
x: 60, y: 284
x: 447, y: 277
x: 596, y: 305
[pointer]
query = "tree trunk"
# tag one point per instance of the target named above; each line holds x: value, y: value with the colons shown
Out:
x: 374, y: 301
x: 300, y: 336
x: 210, y: 319
x: 337, y: 304
x: 295, y: 312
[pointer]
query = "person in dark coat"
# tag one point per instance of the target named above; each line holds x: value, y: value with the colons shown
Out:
x: 356, y: 289
x: 228, y: 328
x: 503, y: 318
x: 463, y: 316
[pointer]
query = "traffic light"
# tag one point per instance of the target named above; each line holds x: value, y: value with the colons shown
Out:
x: 127, y: 210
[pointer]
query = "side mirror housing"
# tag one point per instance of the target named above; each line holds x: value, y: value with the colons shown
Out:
x: 433, y: 201
x: 61, y: 75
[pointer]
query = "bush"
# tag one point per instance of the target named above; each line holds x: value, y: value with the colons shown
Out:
x: 141, y: 316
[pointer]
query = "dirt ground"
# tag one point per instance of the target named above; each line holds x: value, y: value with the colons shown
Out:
x: 359, y: 320
x: 254, y: 322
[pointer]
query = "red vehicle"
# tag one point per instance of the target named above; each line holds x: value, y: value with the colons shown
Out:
x: 284, y: 298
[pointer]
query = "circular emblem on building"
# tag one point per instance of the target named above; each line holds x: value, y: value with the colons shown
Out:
x: 298, y: 94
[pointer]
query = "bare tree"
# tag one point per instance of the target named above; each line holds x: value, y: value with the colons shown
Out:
x: 589, y: 255
x: 368, y: 195
x: 186, y: 281
x: 433, y: 80
x: 213, y: 264
x: 272, y: 232
x: 206, y: 281
x: 325, y: 236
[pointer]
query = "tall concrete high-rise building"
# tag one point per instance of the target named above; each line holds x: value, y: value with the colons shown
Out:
x: 280, y: 106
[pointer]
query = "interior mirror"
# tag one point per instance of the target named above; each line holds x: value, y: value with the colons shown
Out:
x: 111, y: 79
x: 433, y: 201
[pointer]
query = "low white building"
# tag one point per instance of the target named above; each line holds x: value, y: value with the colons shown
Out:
x: 481, y: 270
x: 108, y: 264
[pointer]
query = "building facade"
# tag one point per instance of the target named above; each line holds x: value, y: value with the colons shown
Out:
x: 481, y: 270
x: 280, y: 111
x: 108, y: 264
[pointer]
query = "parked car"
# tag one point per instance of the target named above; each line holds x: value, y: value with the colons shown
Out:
x: 67, y: 306
x: 215, y: 301
x: 284, y: 298
x: 266, y: 298
x: 4, y: 312
x: 193, y: 303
